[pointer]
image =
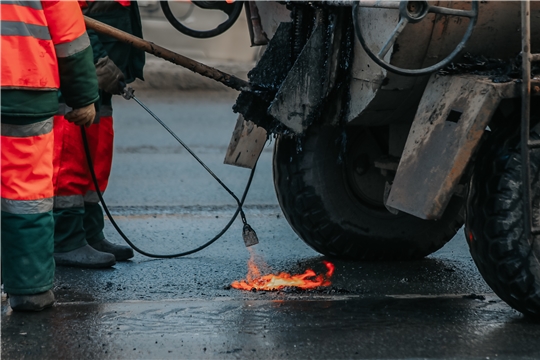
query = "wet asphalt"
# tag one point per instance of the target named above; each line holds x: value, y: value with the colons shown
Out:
x: 184, y: 308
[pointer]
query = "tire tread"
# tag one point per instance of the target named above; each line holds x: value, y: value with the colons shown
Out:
x: 306, y: 213
x: 502, y: 254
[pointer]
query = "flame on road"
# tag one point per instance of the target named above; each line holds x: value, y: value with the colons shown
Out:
x: 308, y: 280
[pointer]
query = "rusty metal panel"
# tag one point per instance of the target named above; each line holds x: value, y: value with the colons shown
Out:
x: 451, y: 118
x: 301, y: 94
x: 272, y: 14
x: 247, y: 143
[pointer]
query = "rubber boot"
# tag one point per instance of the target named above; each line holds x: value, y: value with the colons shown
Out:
x: 31, y: 302
x: 93, y: 224
x: 85, y: 257
x: 120, y: 252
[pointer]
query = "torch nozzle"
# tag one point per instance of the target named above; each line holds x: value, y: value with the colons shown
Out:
x: 250, y: 236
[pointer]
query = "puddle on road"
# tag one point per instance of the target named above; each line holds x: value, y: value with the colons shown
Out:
x: 324, y: 328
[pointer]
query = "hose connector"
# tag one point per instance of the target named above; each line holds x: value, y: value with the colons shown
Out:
x: 127, y: 91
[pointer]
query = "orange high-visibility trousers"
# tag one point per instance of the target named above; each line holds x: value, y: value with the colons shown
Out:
x: 72, y: 180
x: 78, y: 216
x: 27, y: 204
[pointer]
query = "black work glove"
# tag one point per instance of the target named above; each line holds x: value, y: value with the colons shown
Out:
x: 110, y: 77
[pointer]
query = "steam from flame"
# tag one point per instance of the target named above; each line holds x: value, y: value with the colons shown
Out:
x: 308, y: 280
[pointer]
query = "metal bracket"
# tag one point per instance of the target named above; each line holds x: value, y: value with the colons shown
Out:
x: 247, y: 143
x: 449, y: 123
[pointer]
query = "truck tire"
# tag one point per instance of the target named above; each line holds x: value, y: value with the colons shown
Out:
x: 509, y: 264
x: 315, y: 194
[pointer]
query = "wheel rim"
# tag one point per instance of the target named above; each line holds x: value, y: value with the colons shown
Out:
x: 365, y: 181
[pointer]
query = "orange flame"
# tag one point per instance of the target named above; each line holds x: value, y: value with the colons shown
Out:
x: 308, y: 280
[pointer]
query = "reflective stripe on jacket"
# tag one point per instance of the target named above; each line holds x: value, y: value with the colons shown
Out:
x: 34, y: 34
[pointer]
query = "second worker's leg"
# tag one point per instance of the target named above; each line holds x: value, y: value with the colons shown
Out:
x: 70, y: 182
x: 93, y: 217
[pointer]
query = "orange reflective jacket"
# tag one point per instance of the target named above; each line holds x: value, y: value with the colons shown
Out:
x: 33, y: 35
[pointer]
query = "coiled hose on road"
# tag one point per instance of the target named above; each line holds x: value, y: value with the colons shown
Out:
x: 240, y: 202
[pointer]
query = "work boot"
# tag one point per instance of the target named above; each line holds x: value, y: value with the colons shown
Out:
x: 120, y: 252
x: 85, y: 257
x: 32, y: 302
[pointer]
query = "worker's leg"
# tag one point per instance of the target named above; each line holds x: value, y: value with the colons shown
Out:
x: 103, y: 136
x: 27, y: 219
x: 71, y: 181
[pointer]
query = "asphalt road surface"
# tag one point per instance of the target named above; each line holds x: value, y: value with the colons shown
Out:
x: 184, y: 308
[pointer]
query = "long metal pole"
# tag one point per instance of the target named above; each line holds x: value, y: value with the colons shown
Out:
x: 151, y: 48
x: 525, y: 115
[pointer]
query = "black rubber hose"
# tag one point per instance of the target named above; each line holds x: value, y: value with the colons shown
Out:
x: 126, y: 239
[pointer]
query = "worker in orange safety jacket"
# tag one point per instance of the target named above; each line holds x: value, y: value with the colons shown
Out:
x: 79, y: 219
x: 44, y: 48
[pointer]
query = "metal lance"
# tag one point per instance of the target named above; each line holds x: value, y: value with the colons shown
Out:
x: 156, y: 50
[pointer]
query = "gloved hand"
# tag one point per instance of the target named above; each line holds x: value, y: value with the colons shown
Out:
x: 82, y: 116
x: 109, y: 76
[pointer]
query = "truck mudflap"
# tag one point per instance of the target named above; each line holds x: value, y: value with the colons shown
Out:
x: 246, y: 145
x: 449, y: 123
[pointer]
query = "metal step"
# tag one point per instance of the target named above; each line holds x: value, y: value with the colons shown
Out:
x: 535, y: 57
